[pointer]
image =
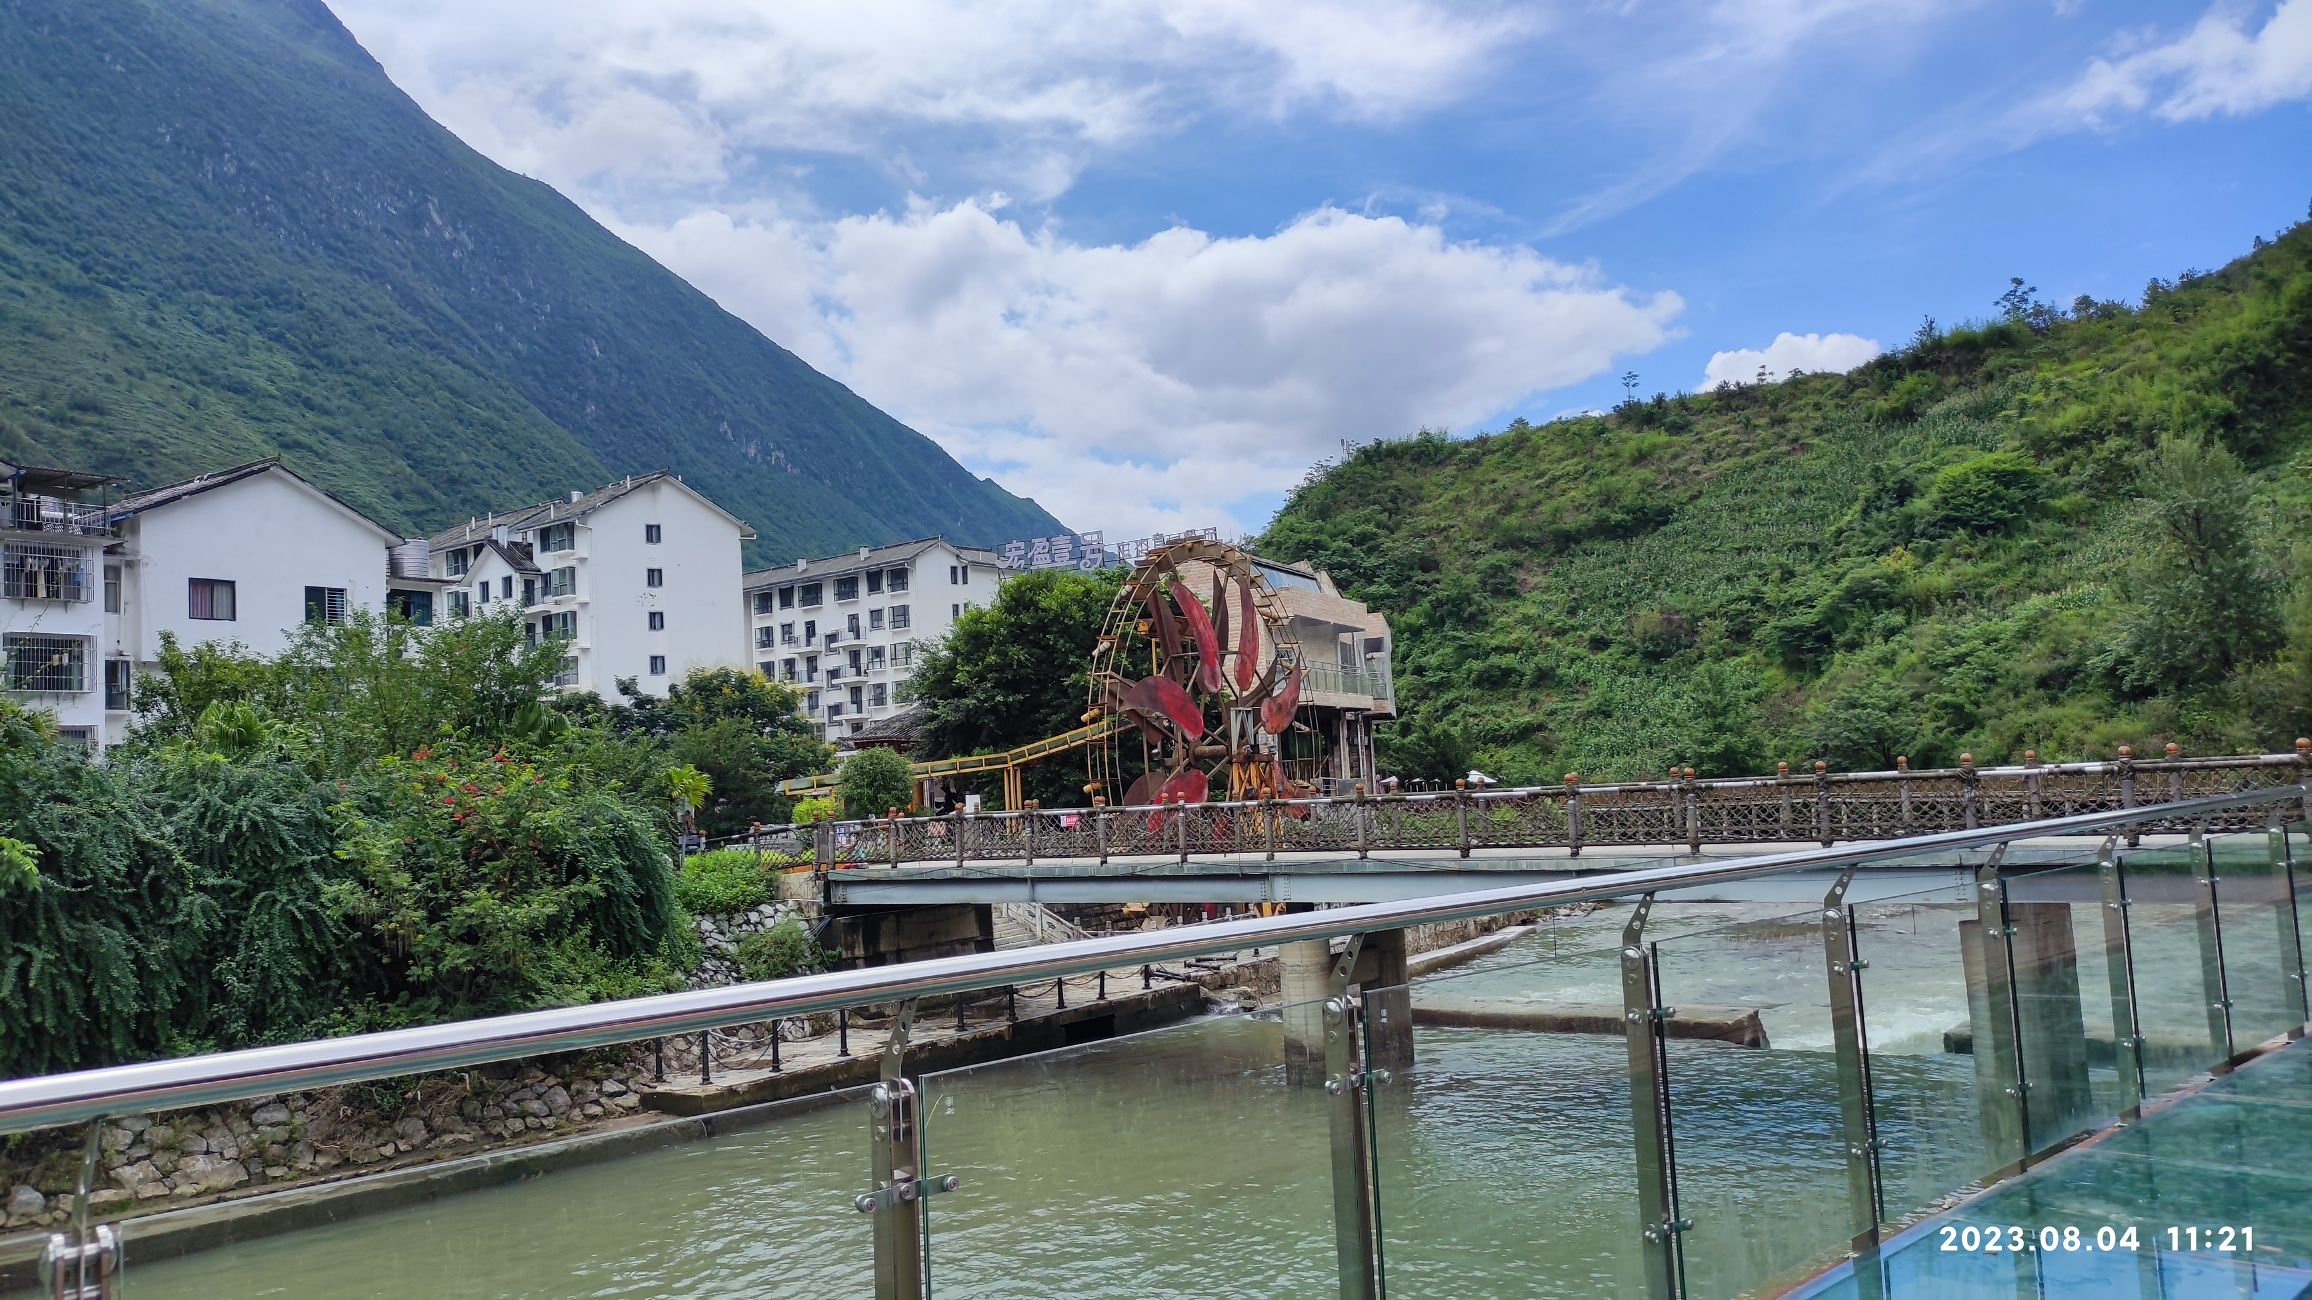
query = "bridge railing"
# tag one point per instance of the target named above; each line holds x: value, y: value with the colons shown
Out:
x: 1820, y: 806
x: 1664, y: 1099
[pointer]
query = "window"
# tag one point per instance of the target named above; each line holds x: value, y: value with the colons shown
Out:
x: 899, y: 579
x: 786, y: 598
x: 766, y: 668
x: 835, y: 710
x: 854, y: 661
x: 210, y: 598
x: 811, y: 669
x: 858, y: 727
x: 529, y: 592
x: 763, y: 602
x: 412, y: 607
x: 955, y: 611
x: 569, y: 674
x: 811, y: 595
x: 325, y: 604
x: 851, y: 625
x: 899, y: 616
x: 506, y: 587
x: 650, y: 534
x: 456, y: 561
x: 847, y: 588
x: 950, y: 575
x: 902, y: 656
x: 56, y: 665
x: 875, y: 582
x: 878, y: 695
x: 786, y: 670
x: 786, y: 634
x: 482, y: 593
x: 112, y: 589
x: 117, y: 673
x: 563, y: 625
x: 874, y: 619
x: 654, y: 577
x: 45, y: 571
x: 811, y: 702
x: 763, y: 639
x: 658, y: 624
x: 858, y: 696
x: 557, y: 537
x: 810, y: 630
x: 562, y: 582
x: 658, y: 665
x: 875, y: 656
x: 460, y: 603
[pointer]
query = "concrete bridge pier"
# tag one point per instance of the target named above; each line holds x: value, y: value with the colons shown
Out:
x: 1305, y: 977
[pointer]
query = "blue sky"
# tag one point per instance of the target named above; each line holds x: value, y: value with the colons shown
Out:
x: 1148, y: 259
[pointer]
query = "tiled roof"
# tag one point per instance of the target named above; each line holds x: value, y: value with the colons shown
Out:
x: 877, y: 557
x: 153, y: 498
x: 561, y: 508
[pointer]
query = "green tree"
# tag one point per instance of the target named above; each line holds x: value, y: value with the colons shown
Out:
x: 2205, y: 602
x: 746, y: 732
x: 1015, y: 671
x: 874, y: 781
x: 1865, y: 726
x: 1985, y: 493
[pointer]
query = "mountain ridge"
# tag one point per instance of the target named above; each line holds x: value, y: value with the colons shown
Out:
x: 225, y: 234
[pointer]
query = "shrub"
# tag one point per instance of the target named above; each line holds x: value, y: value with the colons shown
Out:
x: 872, y: 782
x: 818, y: 808
x: 783, y: 950
x: 1985, y: 493
x: 723, y: 880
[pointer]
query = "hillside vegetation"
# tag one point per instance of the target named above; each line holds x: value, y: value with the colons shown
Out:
x: 2065, y: 529
x: 224, y: 234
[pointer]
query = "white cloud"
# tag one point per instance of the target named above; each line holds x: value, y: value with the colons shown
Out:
x: 1813, y: 353
x: 1161, y: 383
x: 1031, y: 89
x: 2219, y: 68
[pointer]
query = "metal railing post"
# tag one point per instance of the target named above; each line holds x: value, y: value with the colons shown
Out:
x: 1999, y: 1035
x: 2119, y: 964
x: 2215, y: 986
x: 775, y: 1036
x: 1864, y: 1194
x: 897, y: 1166
x: 1643, y: 1014
x: 1573, y: 814
x: 1348, y: 1084
x: 705, y: 1057
x: 2291, y: 929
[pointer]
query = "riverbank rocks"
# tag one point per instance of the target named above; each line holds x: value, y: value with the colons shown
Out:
x: 719, y: 935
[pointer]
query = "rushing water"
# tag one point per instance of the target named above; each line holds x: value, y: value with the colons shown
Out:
x: 1181, y: 1163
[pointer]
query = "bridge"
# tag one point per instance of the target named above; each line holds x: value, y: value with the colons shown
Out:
x: 1363, y: 848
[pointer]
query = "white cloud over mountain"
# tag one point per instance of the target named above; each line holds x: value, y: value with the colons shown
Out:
x: 1835, y: 353
x: 1157, y: 384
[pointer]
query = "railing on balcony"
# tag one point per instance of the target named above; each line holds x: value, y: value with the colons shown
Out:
x: 46, y: 571
x: 33, y: 513
x: 1371, y: 680
x: 1751, y: 1107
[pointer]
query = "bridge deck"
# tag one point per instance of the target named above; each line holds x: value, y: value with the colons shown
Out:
x: 2233, y: 1156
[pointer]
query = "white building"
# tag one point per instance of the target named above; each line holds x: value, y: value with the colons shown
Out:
x: 844, y: 628
x: 53, y: 598
x: 638, y: 578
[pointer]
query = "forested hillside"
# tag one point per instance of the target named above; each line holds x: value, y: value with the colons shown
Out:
x: 224, y: 234
x: 2068, y: 528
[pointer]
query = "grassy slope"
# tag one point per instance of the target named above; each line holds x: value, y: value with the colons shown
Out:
x: 1714, y: 580
x: 225, y: 234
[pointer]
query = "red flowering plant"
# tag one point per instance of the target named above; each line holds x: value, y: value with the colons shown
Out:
x: 487, y: 882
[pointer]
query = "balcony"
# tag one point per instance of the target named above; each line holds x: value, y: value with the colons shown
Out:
x: 33, y: 513
x: 46, y: 571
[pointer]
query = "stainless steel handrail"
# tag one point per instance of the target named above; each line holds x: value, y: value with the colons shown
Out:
x: 53, y: 1100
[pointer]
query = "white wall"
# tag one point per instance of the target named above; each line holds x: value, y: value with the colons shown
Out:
x: 269, y: 534
x: 699, y: 552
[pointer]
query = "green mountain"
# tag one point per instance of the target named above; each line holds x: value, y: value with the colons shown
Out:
x: 2063, y: 530
x: 224, y: 234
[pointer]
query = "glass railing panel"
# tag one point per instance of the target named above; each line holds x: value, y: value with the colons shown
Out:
x: 756, y: 1201
x: 1504, y: 1153
x: 2176, y: 990
x: 2262, y: 952
x: 1186, y: 1160
x: 1754, y: 1100
x: 2063, y: 947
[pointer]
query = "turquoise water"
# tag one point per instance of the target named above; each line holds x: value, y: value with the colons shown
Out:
x: 1182, y: 1163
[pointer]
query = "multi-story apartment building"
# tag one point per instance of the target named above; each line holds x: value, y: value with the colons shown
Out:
x: 638, y: 579
x: 242, y: 555
x: 53, y: 597
x: 845, y: 628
